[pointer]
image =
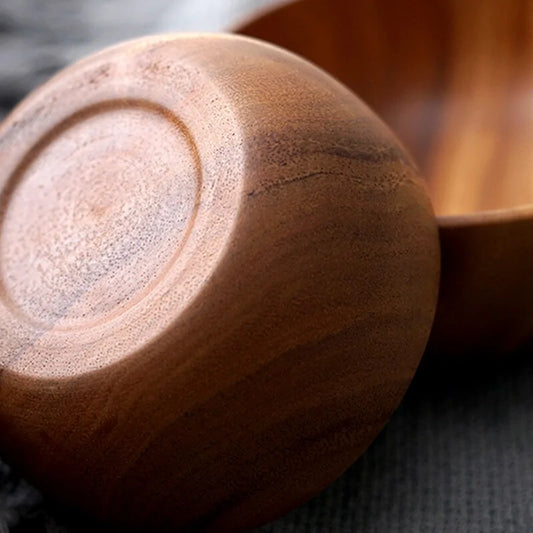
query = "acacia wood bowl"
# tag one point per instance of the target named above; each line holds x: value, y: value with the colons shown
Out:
x: 218, y: 273
x: 454, y: 80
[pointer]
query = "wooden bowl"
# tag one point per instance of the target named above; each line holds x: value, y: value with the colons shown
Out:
x: 218, y: 272
x: 454, y: 80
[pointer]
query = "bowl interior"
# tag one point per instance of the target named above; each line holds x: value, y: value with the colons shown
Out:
x: 453, y: 79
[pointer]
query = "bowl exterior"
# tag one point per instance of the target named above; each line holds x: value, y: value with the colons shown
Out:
x: 259, y: 369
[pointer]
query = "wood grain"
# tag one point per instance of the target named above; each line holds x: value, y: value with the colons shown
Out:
x: 454, y: 80
x: 218, y: 273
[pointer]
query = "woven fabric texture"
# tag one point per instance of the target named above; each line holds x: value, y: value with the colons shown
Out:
x: 456, y: 457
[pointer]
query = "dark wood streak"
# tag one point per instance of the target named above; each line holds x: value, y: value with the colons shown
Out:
x: 453, y: 80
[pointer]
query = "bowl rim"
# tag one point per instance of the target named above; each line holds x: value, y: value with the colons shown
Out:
x: 487, y: 217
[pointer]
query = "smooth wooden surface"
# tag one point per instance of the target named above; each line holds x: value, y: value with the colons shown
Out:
x: 218, y: 274
x: 454, y: 80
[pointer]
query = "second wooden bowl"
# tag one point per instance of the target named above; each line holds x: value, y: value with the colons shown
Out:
x: 454, y: 80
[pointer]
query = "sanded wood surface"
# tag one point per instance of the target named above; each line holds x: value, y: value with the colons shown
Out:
x: 454, y: 80
x: 219, y: 271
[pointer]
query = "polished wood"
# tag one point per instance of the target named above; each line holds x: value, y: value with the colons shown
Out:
x: 454, y: 80
x: 219, y: 270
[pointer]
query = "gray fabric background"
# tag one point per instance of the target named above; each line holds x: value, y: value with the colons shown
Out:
x: 458, y: 454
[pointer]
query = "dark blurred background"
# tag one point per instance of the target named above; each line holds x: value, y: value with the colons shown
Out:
x: 38, y: 37
x: 458, y: 454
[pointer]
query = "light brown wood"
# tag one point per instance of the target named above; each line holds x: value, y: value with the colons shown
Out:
x: 218, y: 270
x: 454, y: 80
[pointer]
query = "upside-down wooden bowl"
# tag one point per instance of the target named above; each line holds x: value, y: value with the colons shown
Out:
x: 454, y: 80
x: 218, y: 273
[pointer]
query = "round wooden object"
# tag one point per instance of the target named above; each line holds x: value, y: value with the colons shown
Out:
x: 218, y: 274
x: 454, y: 80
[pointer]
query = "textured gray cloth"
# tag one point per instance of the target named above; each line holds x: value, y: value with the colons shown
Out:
x: 458, y: 454
x: 456, y: 457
